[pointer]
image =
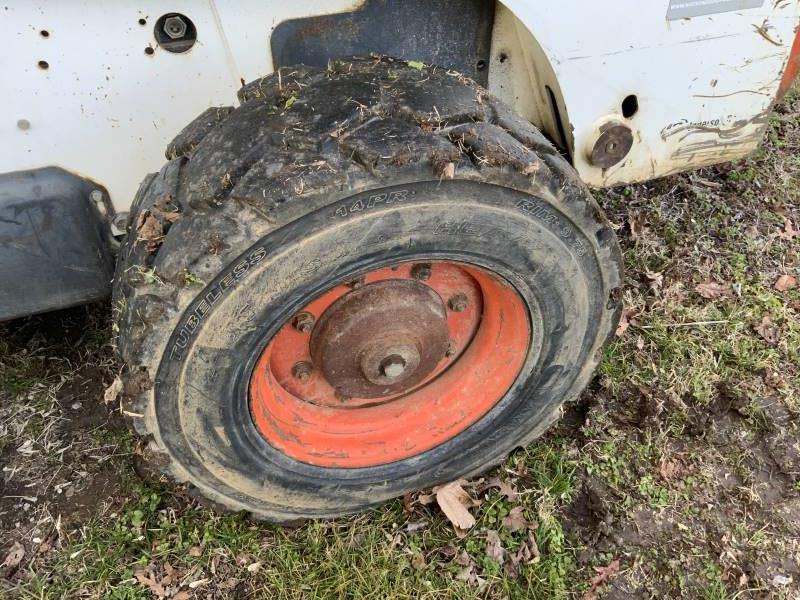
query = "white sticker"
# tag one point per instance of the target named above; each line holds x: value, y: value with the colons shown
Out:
x: 683, y: 9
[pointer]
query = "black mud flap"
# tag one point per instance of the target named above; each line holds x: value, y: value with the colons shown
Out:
x: 455, y: 34
x: 54, y: 244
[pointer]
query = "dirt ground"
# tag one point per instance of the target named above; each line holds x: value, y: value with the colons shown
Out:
x: 676, y: 475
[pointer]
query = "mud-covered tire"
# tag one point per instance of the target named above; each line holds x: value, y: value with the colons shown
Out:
x: 318, y: 177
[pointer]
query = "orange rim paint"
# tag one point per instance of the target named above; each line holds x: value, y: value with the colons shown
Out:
x: 307, y: 419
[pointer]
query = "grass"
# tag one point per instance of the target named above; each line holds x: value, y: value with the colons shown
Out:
x: 681, y: 460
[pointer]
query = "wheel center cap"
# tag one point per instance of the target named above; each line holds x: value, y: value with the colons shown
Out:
x: 381, y: 339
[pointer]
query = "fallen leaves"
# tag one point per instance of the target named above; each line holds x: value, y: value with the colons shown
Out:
x: 711, y: 290
x: 455, y: 503
x: 671, y: 469
x: 789, y: 232
x: 153, y: 223
x: 12, y: 560
x: 504, y: 487
x: 768, y: 330
x: 449, y: 170
x: 150, y: 231
x: 164, y: 581
x: 494, y: 547
x: 603, y: 575
x: 637, y: 225
x: 527, y: 554
x: 625, y: 320
x: 515, y: 520
x: 112, y: 391
x: 656, y: 281
x: 151, y: 584
x: 785, y: 283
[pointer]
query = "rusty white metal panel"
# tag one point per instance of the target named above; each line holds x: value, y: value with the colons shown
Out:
x: 705, y: 85
x: 105, y: 109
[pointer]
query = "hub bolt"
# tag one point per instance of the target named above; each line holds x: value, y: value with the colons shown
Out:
x: 304, y: 322
x: 175, y: 27
x: 302, y: 370
x: 458, y: 303
x: 421, y: 271
x: 393, y: 366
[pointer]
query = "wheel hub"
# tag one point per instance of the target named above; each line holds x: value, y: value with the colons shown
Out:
x: 389, y: 365
x: 381, y: 339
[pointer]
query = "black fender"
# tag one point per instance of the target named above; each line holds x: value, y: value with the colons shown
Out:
x: 55, y: 245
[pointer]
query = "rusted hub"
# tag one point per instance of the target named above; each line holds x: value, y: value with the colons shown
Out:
x: 380, y: 369
x: 613, y: 145
x: 381, y: 339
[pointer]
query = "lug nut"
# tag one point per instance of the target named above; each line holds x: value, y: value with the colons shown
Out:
x: 304, y: 322
x: 302, y: 370
x: 421, y: 271
x: 175, y: 27
x: 458, y: 302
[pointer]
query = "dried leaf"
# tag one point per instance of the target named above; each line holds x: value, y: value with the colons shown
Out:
x: 150, y: 231
x: 505, y: 488
x: 164, y: 211
x: 768, y: 330
x: 711, y: 290
x: 785, y: 282
x: 528, y: 553
x: 656, y: 280
x: 195, y: 551
x: 426, y: 499
x: 112, y: 391
x: 494, y: 547
x: 625, y: 320
x: 196, y: 584
x: 670, y: 469
x: 604, y: 574
x: 14, y: 557
x: 516, y: 521
x: 637, y: 226
x: 182, y: 595
x: 469, y: 576
x: 455, y: 504
x: 150, y: 583
x: 789, y: 232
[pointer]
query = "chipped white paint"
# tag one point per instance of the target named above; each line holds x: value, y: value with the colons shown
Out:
x: 105, y: 109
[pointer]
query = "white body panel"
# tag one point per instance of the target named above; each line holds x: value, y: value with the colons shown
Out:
x: 106, y: 110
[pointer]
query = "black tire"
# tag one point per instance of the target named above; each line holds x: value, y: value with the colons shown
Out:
x: 316, y: 177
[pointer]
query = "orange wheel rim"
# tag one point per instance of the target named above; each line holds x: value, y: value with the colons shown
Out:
x: 391, y: 365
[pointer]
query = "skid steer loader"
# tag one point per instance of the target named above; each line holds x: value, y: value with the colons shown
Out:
x: 371, y: 262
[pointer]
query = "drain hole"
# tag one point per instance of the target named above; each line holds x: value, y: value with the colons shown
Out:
x: 630, y: 106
